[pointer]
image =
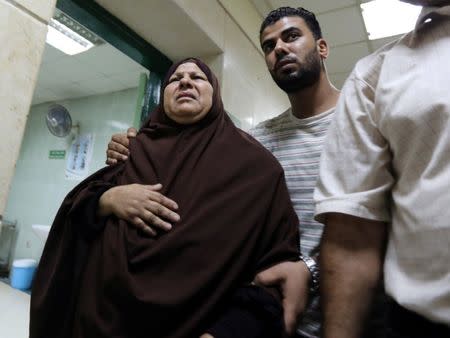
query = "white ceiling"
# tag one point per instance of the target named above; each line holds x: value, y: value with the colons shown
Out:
x: 342, y: 27
x: 157, y: 20
x: 102, y: 69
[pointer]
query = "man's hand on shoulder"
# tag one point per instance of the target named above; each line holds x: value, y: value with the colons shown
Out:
x: 118, y: 146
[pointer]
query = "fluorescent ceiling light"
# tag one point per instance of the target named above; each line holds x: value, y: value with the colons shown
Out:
x: 389, y: 17
x: 65, y: 39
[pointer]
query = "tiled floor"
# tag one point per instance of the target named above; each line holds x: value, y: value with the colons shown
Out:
x: 14, y: 312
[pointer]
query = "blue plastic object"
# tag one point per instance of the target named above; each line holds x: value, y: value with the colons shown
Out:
x: 22, y: 273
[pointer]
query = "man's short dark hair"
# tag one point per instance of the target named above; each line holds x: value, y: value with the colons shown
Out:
x: 281, y: 12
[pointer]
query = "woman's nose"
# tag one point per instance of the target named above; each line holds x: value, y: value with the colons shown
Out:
x: 185, y: 81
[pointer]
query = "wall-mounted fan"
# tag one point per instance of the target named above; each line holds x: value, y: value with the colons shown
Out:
x: 59, y: 121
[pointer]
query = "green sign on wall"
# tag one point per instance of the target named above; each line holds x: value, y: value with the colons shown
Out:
x: 57, y: 154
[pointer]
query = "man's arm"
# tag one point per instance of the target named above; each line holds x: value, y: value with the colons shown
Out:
x: 351, y: 259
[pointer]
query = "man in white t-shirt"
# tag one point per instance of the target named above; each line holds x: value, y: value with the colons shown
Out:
x: 294, y: 50
x: 384, y: 186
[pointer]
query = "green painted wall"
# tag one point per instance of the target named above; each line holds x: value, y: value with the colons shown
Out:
x: 39, y: 184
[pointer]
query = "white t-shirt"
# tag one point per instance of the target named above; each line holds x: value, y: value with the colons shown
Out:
x: 387, y: 158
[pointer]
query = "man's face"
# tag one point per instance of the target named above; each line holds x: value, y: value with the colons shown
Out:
x: 291, y: 54
x: 428, y: 2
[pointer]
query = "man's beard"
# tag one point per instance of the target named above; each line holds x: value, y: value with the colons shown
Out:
x: 305, y: 77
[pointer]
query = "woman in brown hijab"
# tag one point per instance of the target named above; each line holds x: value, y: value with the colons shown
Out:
x: 100, y: 277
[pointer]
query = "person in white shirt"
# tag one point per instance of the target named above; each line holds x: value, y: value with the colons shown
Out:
x: 384, y: 186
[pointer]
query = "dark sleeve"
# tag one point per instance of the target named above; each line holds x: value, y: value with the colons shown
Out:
x: 279, y: 240
x: 83, y: 201
x: 84, y: 214
x: 66, y: 250
x: 251, y: 313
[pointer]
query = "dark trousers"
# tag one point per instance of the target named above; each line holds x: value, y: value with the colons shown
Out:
x: 403, y: 323
x: 252, y: 312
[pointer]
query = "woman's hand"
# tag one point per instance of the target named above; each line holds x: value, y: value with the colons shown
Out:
x: 140, y: 205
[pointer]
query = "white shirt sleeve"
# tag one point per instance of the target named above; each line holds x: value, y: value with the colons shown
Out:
x: 355, y: 170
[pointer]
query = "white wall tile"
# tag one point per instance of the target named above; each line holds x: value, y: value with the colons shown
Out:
x: 249, y: 92
x: 208, y: 14
x: 42, y: 8
x: 244, y: 14
x: 22, y: 39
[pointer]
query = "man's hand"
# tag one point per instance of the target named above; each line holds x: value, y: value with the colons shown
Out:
x: 118, y: 146
x: 292, y: 278
x: 141, y: 205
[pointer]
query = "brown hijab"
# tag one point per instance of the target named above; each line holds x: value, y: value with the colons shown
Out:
x: 236, y: 220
